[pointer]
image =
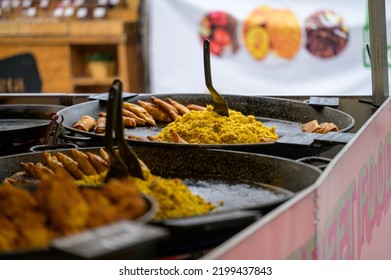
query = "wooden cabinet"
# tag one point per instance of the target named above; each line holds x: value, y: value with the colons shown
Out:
x: 61, y: 49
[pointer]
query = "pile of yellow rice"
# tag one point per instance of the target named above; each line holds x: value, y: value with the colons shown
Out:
x: 208, y: 127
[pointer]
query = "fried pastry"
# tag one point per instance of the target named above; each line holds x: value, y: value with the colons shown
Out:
x: 70, y: 165
x: 171, y: 110
x: 155, y: 111
x: 100, y: 127
x: 85, y: 123
x: 195, y: 107
x: 98, y: 162
x: 127, y: 113
x: 84, y: 164
x: 140, y: 111
x: 37, y: 170
x: 182, y: 109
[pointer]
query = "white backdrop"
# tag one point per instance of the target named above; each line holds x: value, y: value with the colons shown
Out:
x: 175, y: 50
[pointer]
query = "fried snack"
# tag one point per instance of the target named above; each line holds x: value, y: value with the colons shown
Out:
x: 155, y: 111
x: 70, y: 165
x: 182, y: 109
x: 53, y: 162
x: 154, y: 139
x: 140, y: 138
x: 85, y: 123
x: 21, y: 178
x: 15, y: 201
x: 84, y: 163
x: 104, y: 155
x: 98, y: 162
x: 100, y: 127
x: 32, y: 229
x: 125, y: 194
x: 8, y: 235
x: 310, y: 126
x: 37, y: 170
x: 60, y: 199
x: 194, y: 107
x: 101, y: 210
x: 171, y: 110
x: 127, y: 113
x: 177, y: 138
x: 327, y: 127
x: 129, y: 122
x: 102, y: 114
x: 140, y: 111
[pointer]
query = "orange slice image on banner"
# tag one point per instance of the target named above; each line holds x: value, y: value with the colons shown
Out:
x: 282, y: 33
x: 257, y: 42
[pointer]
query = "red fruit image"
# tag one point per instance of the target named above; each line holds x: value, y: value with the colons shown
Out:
x: 215, y: 48
x: 221, y: 37
x: 218, y: 18
x: 220, y: 29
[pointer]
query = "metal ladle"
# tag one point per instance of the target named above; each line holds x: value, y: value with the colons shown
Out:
x: 220, y: 106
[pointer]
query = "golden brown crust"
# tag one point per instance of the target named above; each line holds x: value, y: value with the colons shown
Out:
x: 171, y: 110
x: 100, y: 127
x: 140, y: 111
x: 195, y: 107
x: 84, y: 164
x: 70, y: 165
x: 155, y: 111
x: 182, y: 109
x: 85, y: 123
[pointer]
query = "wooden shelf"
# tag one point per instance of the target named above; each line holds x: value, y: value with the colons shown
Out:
x: 89, y: 81
x: 61, y: 47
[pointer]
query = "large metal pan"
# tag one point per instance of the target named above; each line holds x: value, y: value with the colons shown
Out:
x: 20, y: 123
x: 286, y: 115
x: 243, y: 181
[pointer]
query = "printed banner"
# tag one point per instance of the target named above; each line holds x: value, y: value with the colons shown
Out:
x: 279, y: 47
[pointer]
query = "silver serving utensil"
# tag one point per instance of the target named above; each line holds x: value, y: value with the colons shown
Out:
x: 220, y: 106
x: 126, y: 162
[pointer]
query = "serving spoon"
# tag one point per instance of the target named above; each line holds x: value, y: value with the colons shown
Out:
x: 220, y: 106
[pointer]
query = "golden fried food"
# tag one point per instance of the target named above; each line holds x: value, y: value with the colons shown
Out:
x: 129, y: 122
x: 53, y: 161
x: 155, y: 111
x: 104, y: 155
x: 8, y: 235
x: 127, y: 113
x: 135, y: 137
x: 177, y: 138
x: 20, y: 178
x: 208, y: 127
x: 125, y: 194
x: 98, y: 162
x: 100, y: 127
x: 85, y: 123
x: 70, y: 165
x: 314, y: 127
x: 37, y: 170
x: 194, y: 107
x: 182, y: 109
x: 15, y: 201
x: 60, y: 198
x: 154, y: 138
x: 101, y: 210
x: 171, y: 110
x: 84, y: 163
x: 140, y: 111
